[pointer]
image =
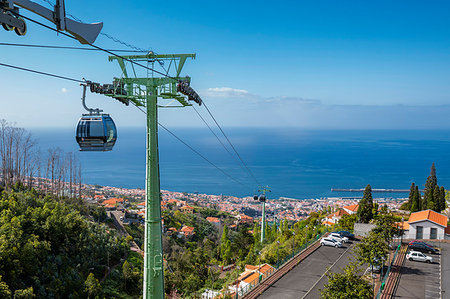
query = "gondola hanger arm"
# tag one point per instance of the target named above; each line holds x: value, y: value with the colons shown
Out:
x: 84, y: 33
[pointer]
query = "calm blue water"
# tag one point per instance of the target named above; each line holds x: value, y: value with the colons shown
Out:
x: 295, y: 163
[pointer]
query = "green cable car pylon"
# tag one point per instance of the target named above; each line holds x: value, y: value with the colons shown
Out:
x: 145, y: 92
x: 262, y: 198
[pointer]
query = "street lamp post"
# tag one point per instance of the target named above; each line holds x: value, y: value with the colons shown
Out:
x: 259, y: 266
x: 293, y: 243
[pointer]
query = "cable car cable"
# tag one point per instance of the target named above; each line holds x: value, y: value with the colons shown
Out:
x: 141, y: 65
x: 232, y: 146
x: 66, y: 47
x: 197, y: 152
x: 170, y: 132
x: 41, y: 73
x: 217, y: 137
x: 114, y: 39
x: 96, y: 47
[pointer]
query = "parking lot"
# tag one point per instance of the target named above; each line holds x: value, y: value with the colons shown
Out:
x: 423, y: 280
x: 308, y: 277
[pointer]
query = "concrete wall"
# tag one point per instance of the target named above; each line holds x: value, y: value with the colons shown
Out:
x: 362, y: 229
x: 427, y: 225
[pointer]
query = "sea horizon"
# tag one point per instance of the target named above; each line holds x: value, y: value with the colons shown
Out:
x: 295, y: 163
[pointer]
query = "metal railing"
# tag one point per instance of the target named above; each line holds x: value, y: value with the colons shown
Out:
x: 241, y: 291
x: 386, y: 275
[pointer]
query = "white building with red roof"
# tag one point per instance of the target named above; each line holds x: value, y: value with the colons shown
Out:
x: 351, y: 209
x: 427, y: 224
x: 334, y: 218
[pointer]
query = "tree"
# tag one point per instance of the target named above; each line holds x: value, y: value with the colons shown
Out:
x: 385, y: 226
x: 27, y: 293
x: 410, y: 201
x: 442, y: 199
x: 428, y: 194
x: 92, y: 285
x: 4, y: 289
x: 435, y: 204
x: 416, y: 200
x: 347, y: 222
x: 346, y: 285
x: 372, y: 248
x: 365, y: 207
x: 127, y: 272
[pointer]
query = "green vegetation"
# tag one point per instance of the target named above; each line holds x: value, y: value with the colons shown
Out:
x: 347, y: 285
x: 366, y: 207
x: 49, y: 249
x: 434, y: 197
x: 372, y: 250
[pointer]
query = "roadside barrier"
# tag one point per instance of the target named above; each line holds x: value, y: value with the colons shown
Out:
x: 390, y: 279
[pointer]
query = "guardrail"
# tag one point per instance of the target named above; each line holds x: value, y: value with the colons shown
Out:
x: 278, y: 268
x: 390, y: 278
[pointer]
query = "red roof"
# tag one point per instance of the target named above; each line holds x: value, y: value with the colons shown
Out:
x: 428, y: 215
x: 352, y: 208
x: 187, y: 229
x: 113, y: 201
x: 213, y: 219
x: 340, y: 213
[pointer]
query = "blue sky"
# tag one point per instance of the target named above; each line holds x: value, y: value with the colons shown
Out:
x: 308, y: 64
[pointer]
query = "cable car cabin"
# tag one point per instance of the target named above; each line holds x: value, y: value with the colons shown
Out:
x: 96, y: 132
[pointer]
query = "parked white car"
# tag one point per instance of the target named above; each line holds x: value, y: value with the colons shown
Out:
x: 419, y: 256
x: 330, y: 242
x: 338, y: 237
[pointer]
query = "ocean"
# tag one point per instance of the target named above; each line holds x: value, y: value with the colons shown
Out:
x: 295, y: 163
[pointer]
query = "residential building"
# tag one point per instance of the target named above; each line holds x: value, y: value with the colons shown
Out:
x: 426, y: 224
x: 351, y: 209
x: 335, y: 217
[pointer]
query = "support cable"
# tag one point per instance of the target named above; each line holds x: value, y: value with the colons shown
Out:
x: 148, y: 68
x: 66, y: 48
x: 41, y: 73
x: 217, y: 137
x: 232, y: 146
x: 114, y: 39
x: 197, y: 152
x: 96, y: 47
x: 169, y: 131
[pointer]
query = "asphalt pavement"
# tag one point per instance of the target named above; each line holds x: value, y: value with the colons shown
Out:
x: 307, y: 278
x: 419, y: 280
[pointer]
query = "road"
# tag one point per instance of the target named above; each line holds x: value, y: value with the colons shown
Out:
x: 445, y: 270
x: 307, y: 278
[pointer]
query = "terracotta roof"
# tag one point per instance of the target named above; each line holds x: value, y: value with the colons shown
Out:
x: 213, y: 219
x: 328, y: 223
x: 430, y: 216
x: 141, y: 203
x: 352, y: 208
x: 113, y: 201
x: 187, y: 229
x: 251, y: 278
x: 405, y: 225
x: 251, y: 267
x: 265, y: 268
x: 340, y: 213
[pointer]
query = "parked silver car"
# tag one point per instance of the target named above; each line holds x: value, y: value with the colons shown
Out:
x: 330, y: 242
x: 338, y: 237
x: 419, y: 256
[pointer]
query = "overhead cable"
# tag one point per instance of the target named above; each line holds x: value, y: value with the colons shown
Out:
x: 232, y: 146
x: 65, y: 48
x: 41, y: 73
x: 197, y: 152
